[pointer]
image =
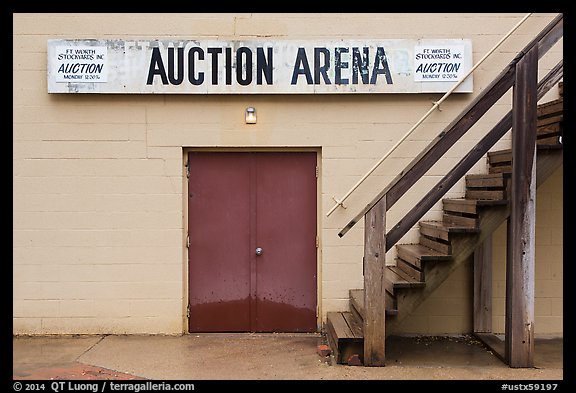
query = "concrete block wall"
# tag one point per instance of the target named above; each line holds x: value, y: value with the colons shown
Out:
x: 99, y: 210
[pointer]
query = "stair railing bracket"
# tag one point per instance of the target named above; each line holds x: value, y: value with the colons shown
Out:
x: 338, y: 203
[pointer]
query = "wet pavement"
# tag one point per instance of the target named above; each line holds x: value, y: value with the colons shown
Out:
x: 264, y: 357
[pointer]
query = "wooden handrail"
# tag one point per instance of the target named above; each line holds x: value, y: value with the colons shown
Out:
x: 458, y: 127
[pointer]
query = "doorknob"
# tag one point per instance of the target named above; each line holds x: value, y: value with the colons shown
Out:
x: 259, y: 251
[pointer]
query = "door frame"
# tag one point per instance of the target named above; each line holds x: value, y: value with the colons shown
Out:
x: 185, y: 261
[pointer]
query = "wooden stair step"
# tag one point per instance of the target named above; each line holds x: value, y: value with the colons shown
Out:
x: 460, y: 219
x: 470, y: 206
x: 547, y: 147
x: 488, y: 180
x: 440, y: 245
x: 500, y: 169
x: 460, y: 205
x: 400, y: 279
x: 496, y: 195
x: 550, y: 108
x: 357, y: 303
x: 417, y: 253
x: 411, y: 257
x: 344, y: 333
x: 541, y: 122
x: 499, y: 156
x: 549, y: 129
x: 442, y: 230
x: 413, y: 271
x: 501, y: 160
x: 550, y: 140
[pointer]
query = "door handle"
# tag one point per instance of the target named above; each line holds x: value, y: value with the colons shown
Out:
x: 259, y: 251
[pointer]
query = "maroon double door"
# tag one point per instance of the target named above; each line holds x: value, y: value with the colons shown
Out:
x: 252, y: 242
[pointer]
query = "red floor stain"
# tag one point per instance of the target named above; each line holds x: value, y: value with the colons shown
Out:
x: 71, y: 371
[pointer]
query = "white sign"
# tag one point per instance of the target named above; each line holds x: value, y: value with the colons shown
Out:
x: 439, y: 63
x: 80, y: 64
x: 258, y: 66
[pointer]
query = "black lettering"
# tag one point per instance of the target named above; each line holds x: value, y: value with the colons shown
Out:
x: 192, y: 66
x: 156, y: 67
x: 80, y: 68
x: 301, y: 67
x: 323, y: 69
x: 438, y: 67
x: 228, y: 70
x: 171, y: 78
x: 380, y: 60
x: 360, y: 65
x: 264, y: 66
x: 339, y: 64
x: 246, y: 66
x: 214, y: 52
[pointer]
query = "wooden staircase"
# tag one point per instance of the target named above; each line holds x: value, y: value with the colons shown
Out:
x: 445, y: 245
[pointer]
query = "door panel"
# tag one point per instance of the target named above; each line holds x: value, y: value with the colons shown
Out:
x: 286, y: 231
x: 238, y: 202
x: 219, y: 272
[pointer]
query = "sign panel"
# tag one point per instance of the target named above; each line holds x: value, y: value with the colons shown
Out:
x: 258, y: 67
x: 81, y: 64
x: 438, y: 62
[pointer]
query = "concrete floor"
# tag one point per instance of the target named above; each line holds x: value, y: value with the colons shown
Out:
x: 265, y: 356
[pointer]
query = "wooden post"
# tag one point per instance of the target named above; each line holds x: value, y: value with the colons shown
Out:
x: 483, y: 287
x: 519, y: 345
x: 374, y: 292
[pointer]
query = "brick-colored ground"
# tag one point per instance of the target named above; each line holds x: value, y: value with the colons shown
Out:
x: 70, y: 371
